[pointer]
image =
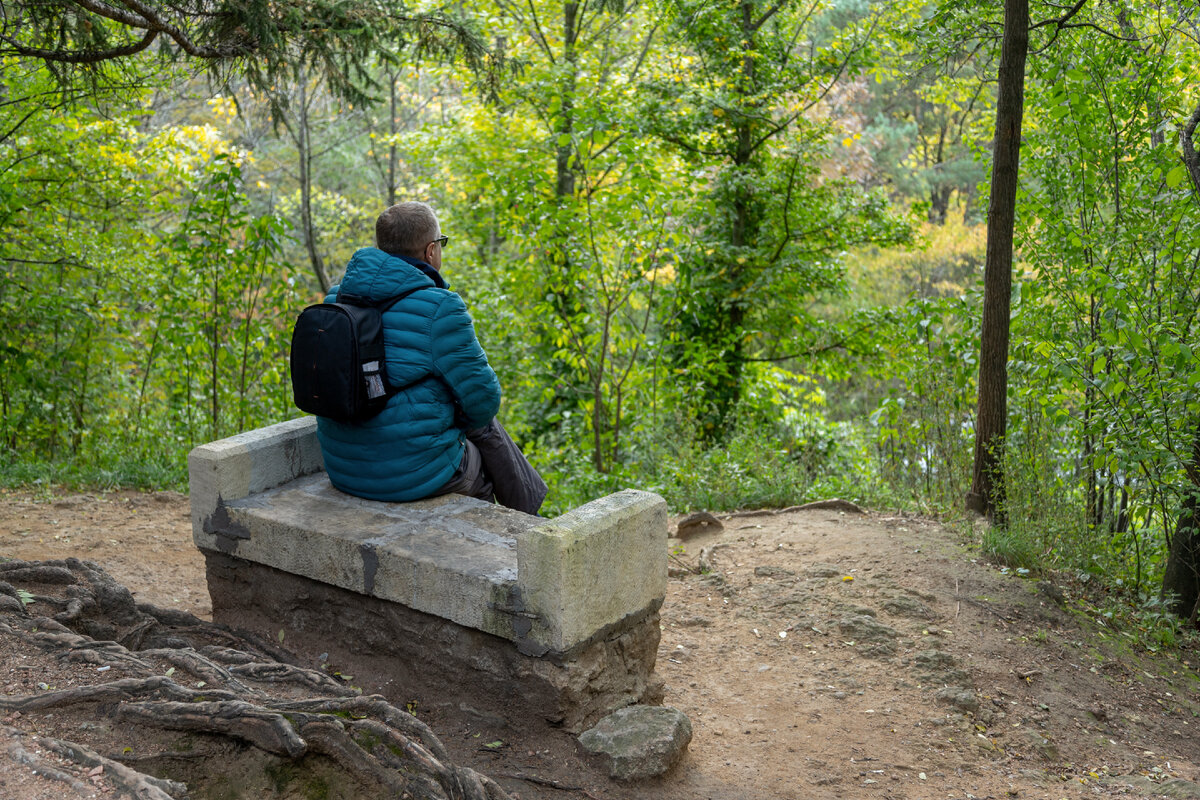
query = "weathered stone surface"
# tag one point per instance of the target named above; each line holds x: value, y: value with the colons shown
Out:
x: 906, y: 606
x: 959, y: 698
x: 250, y: 462
x: 433, y: 658
x: 452, y: 556
x: 823, y: 571
x: 592, y: 566
x: 935, y: 659
x: 1040, y: 744
x: 451, y: 582
x: 639, y: 741
x: 865, y: 630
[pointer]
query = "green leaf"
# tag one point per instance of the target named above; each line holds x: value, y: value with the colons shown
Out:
x: 1176, y: 176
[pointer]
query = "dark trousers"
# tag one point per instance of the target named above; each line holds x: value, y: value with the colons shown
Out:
x: 494, y: 469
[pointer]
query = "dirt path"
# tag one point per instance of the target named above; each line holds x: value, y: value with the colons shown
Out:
x: 823, y: 655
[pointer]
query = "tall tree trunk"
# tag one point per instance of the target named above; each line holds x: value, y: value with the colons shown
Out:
x: 729, y: 332
x: 991, y: 419
x: 1181, y: 578
x: 393, y: 129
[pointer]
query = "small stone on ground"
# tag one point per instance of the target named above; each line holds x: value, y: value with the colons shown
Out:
x: 639, y: 741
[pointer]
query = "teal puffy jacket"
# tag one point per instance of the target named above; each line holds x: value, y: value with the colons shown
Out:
x: 412, y: 448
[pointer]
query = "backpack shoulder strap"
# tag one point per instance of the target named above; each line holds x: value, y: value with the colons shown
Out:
x: 383, y: 305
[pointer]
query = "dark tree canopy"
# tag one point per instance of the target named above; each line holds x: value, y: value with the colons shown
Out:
x: 80, y: 39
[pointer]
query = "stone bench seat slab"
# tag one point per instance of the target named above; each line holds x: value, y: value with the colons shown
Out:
x: 452, y: 556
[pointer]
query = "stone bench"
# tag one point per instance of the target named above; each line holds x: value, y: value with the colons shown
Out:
x: 449, y: 593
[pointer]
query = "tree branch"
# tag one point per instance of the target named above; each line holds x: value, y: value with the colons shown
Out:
x: 83, y: 56
x: 1072, y: 11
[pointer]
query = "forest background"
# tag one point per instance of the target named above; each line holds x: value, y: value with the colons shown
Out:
x: 732, y: 251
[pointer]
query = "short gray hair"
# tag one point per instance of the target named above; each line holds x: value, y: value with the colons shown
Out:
x: 405, y: 229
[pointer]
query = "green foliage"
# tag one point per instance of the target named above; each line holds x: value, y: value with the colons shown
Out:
x: 783, y: 452
x: 120, y: 334
x: 1145, y: 623
x: 923, y: 424
x: 1107, y: 325
x: 1011, y: 548
x: 766, y: 231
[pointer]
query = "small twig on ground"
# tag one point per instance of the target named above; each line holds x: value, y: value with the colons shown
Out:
x: 684, y: 565
x: 553, y: 784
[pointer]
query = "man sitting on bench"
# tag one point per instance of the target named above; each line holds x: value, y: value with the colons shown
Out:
x: 438, y: 433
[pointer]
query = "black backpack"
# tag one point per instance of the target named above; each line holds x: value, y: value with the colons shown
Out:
x: 338, y: 358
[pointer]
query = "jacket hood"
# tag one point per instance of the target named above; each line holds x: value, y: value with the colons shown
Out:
x: 377, y: 275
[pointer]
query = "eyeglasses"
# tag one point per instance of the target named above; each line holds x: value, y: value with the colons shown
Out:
x: 441, y: 240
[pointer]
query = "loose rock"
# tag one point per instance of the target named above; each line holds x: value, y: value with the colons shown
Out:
x: 639, y: 741
x: 1041, y: 745
x: 958, y: 697
x: 697, y: 523
x: 1174, y: 788
x: 865, y: 629
x: 905, y: 606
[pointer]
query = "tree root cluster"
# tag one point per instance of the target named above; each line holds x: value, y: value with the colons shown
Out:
x: 218, y: 683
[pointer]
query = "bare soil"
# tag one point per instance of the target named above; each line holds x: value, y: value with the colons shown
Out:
x: 818, y: 654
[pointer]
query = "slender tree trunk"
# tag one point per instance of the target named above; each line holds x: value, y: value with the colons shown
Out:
x: 214, y: 354
x: 304, y: 151
x: 991, y: 419
x: 939, y: 196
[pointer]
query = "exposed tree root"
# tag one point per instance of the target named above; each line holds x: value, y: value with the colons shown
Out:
x: 258, y: 726
x: 360, y: 706
x: 116, y: 691
x: 286, y: 673
x: 136, y: 784
x: 237, y: 682
x: 15, y: 750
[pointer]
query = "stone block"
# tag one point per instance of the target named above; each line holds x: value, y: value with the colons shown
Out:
x: 588, y: 569
x: 250, y: 462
